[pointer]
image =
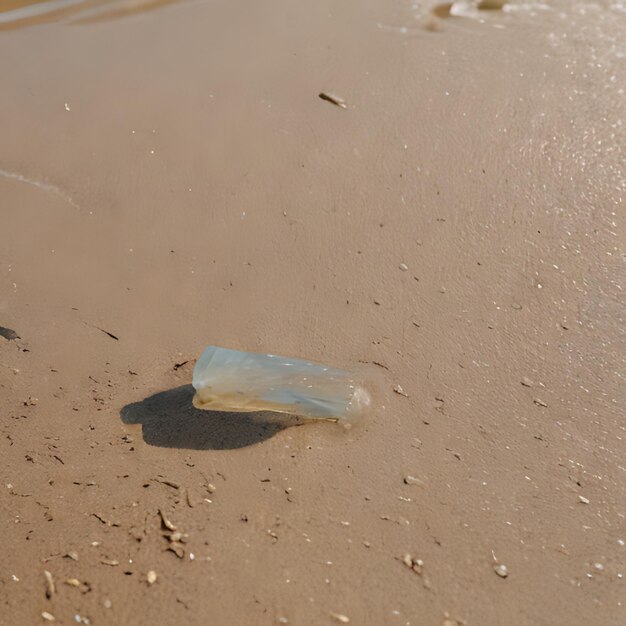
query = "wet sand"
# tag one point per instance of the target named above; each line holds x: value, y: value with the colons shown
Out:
x: 170, y: 179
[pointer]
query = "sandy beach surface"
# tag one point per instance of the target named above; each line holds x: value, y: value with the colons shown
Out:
x: 170, y: 178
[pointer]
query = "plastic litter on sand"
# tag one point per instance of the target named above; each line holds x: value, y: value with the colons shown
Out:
x: 230, y: 380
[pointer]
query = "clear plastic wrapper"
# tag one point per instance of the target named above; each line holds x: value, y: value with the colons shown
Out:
x: 234, y: 381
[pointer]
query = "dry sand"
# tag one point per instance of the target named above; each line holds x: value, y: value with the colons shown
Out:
x: 169, y: 179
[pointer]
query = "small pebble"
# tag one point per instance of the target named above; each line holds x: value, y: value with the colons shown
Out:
x: 48, y: 616
x: 501, y: 570
x: 583, y: 499
x: 598, y: 566
x: 50, y: 588
x: 344, y: 619
x: 527, y: 382
x: 404, y: 267
x: 411, y: 480
x: 151, y: 577
x: 333, y: 99
x: 539, y: 402
x: 400, y: 391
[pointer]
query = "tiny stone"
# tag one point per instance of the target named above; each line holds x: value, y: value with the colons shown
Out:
x: 411, y: 480
x: 400, y: 391
x: 583, y: 499
x: 539, y: 402
x: 73, y: 582
x: 336, y: 100
x: 344, y: 619
x: 527, y: 382
x: 50, y: 588
x: 598, y: 566
x: 210, y: 488
x: 48, y: 616
x: 404, y: 267
x: 72, y: 555
x: 501, y: 570
x: 107, y: 604
x: 151, y: 577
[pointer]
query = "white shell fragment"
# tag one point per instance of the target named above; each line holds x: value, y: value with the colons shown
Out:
x: 501, y: 570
